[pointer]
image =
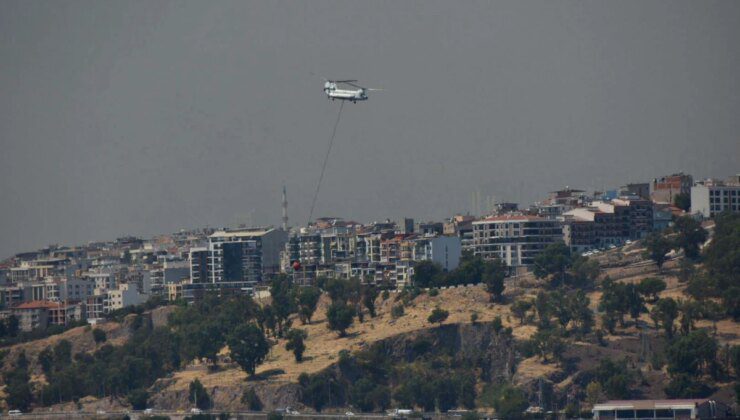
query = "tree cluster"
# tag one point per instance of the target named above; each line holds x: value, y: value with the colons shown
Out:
x: 473, y: 269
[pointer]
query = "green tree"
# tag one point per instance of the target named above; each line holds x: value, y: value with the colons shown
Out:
x: 360, y: 394
x: 337, y: 289
x: 308, y: 299
x: 494, y: 273
x: 19, y: 394
x: 198, y: 395
x: 46, y: 360
x: 687, y: 386
x: 581, y: 314
x: 340, y: 316
x: 584, y: 272
x: 691, y: 354
x: 690, y: 235
x: 543, y: 308
x: 665, y: 313
x: 510, y: 402
x: 548, y: 342
x: 682, y: 201
x: 594, y: 392
x: 438, y: 315
x: 615, y: 378
x: 283, y: 304
x: 469, y: 271
x: 690, y: 313
x: 99, y: 335
x: 520, y: 308
x: 614, y: 301
x: 650, y: 287
x: 722, y: 255
x: 703, y: 286
x: 138, y: 398
x: 369, y: 294
x: 248, y: 347
x: 62, y: 353
x: 656, y: 248
x: 296, y: 343
x: 427, y: 274
x: 635, y: 302
x: 554, y: 261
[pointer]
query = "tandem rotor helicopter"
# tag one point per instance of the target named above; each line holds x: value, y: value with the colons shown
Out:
x: 354, y: 95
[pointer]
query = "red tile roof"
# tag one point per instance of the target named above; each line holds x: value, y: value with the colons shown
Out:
x: 38, y: 304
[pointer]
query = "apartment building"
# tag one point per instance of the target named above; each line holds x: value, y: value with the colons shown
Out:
x: 243, y: 255
x: 443, y: 250
x: 124, y: 295
x: 607, y: 223
x: 665, y: 189
x: 39, y: 314
x: 514, y: 238
x: 67, y: 289
x: 710, y: 198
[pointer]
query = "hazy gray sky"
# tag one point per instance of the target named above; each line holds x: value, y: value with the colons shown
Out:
x: 134, y: 117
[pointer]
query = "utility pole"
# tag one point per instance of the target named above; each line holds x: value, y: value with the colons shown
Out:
x: 285, y: 209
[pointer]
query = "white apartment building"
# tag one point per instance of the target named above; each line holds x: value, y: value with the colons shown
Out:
x: 710, y: 198
x: 514, y: 238
x: 124, y: 295
x: 443, y: 250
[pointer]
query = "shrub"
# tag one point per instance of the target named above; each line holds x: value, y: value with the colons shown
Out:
x: 99, y: 336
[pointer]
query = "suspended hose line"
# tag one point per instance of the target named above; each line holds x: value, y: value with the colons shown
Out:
x: 326, y: 159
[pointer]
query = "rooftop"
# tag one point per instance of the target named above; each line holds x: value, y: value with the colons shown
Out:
x: 511, y: 218
x: 647, y: 404
x: 38, y: 304
x: 241, y: 233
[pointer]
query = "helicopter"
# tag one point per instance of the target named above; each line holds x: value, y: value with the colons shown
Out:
x: 354, y: 95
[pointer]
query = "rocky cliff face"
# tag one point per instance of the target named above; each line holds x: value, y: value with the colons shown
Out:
x: 479, y: 342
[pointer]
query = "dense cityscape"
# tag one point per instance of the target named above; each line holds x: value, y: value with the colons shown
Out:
x: 66, y: 284
x: 217, y: 275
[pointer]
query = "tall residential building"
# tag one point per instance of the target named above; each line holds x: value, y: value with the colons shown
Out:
x: 243, y: 255
x: 710, y: 198
x: 514, y: 238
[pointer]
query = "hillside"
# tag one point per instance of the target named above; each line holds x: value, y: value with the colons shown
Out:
x: 276, y: 379
x: 323, y: 345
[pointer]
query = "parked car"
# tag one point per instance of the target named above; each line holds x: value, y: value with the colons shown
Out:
x: 196, y: 410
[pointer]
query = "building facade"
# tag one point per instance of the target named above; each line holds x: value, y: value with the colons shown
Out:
x: 515, y: 239
x: 710, y: 198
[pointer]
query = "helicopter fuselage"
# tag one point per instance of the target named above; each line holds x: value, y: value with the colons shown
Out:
x: 346, y: 95
x: 354, y: 95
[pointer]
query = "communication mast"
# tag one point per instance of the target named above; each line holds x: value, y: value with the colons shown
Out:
x: 285, y: 209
